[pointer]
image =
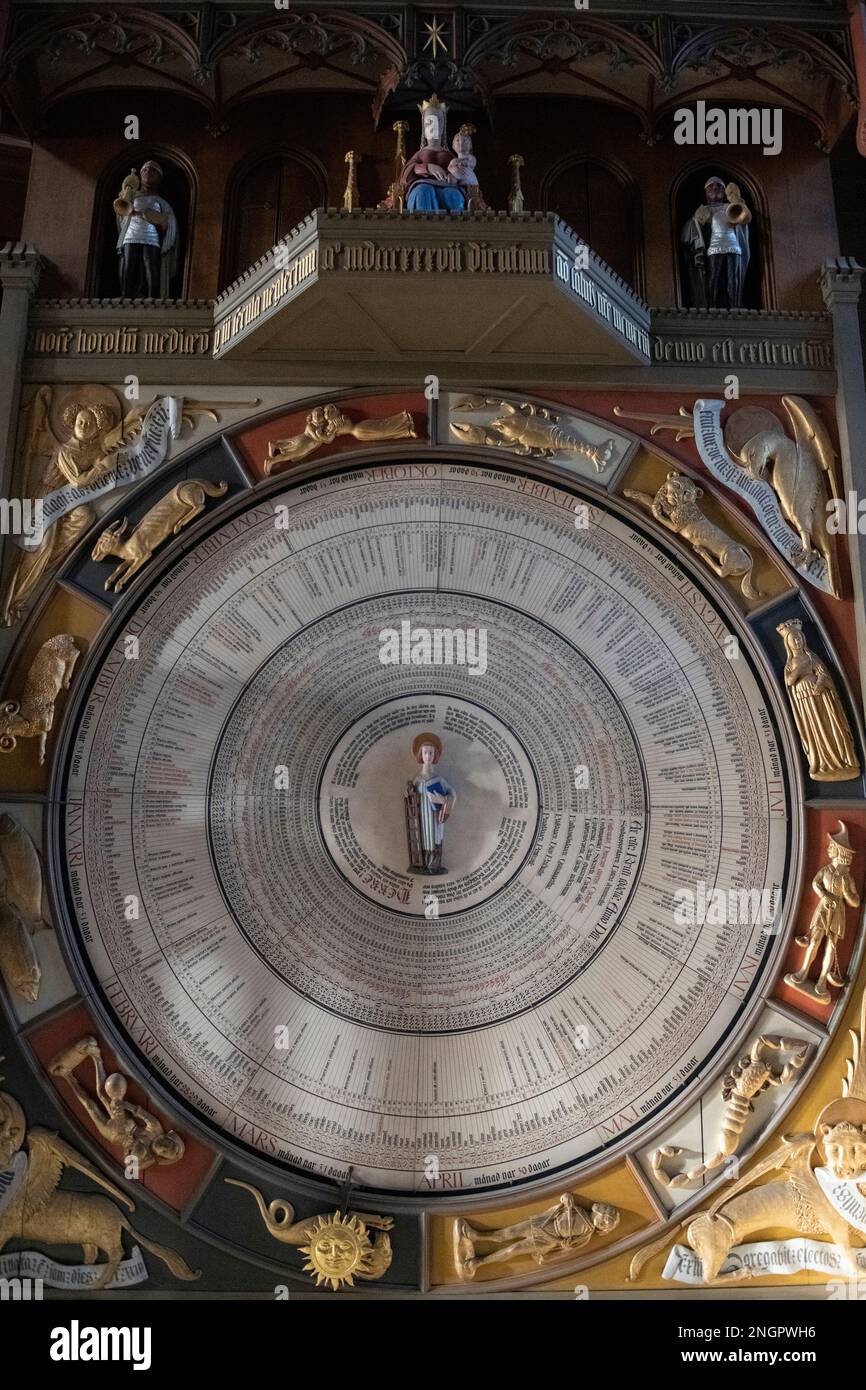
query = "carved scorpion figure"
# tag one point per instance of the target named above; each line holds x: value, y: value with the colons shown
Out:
x: 753, y: 1074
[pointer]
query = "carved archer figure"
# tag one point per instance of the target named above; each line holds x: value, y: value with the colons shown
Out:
x: 558, y: 1230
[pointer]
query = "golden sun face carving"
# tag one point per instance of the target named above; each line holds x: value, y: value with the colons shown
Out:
x: 339, y: 1250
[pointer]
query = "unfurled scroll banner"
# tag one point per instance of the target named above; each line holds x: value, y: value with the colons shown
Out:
x: 757, y: 493
x: 786, y: 1256
x: 32, y: 1264
x: 765, y: 1257
x: 161, y: 423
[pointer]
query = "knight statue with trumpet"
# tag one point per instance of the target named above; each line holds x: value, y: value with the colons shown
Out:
x: 716, y: 245
x: 146, y: 235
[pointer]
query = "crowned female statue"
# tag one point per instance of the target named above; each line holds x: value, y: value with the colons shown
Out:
x: 429, y: 802
x: 821, y: 721
x: 426, y: 180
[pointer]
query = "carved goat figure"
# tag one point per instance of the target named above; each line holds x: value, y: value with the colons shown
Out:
x: 170, y: 515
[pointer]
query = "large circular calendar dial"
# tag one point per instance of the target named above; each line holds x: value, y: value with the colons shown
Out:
x: 239, y: 879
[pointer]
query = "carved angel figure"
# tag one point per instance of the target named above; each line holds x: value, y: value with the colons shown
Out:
x: 822, y: 1200
x: 33, y: 1208
x: 96, y: 431
x: 800, y: 470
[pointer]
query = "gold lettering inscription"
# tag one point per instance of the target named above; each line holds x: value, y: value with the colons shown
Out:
x: 119, y: 342
x: 745, y: 352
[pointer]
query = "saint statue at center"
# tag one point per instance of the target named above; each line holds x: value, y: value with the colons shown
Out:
x: 428, y: 182
x: 429, y: 802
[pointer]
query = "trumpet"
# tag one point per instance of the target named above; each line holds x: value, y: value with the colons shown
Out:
x: 125, y: 199
x: 736, y: 212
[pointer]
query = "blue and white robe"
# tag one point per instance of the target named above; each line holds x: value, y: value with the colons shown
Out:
x: 432, y: 829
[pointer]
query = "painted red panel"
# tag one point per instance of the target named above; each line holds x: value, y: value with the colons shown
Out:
x: 820, y: 823
x: 175, y: 1184
x: 252, y: 444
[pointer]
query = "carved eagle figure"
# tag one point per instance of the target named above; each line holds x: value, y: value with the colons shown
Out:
x: 801, y: 470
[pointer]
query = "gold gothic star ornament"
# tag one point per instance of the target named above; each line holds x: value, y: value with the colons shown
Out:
x: 436, y: 28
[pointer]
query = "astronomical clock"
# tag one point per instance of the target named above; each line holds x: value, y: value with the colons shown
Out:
x: 432, y: 805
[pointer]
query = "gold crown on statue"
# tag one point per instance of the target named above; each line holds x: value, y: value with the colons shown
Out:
x: 434, y: 102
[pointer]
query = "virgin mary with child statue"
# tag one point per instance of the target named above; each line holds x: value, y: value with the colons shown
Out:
x: 436, y: 178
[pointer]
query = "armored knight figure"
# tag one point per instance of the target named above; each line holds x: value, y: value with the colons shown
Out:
x: 146, y: 237
x: 716, y: 244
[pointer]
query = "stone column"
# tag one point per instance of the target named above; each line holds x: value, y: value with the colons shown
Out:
x: 19, y: 276
x: 840, y: 284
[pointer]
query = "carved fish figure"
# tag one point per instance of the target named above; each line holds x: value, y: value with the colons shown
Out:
x: 20, y: 860
x: 18, y: 961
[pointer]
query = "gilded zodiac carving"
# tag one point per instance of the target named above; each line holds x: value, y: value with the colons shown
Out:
x: 826, y: 1200
x: 33, y: 716
x: 559, y: 1230
x: 747, y: 1079
x: 166, y: 518
x: 137, y: 1133
x: 34, y: 1207
x: 20, y: 910
x: 675, y: 505
x: 529, y: 430
x: 338, y: 1247
x: 97, y: 437
x: 325, y: 424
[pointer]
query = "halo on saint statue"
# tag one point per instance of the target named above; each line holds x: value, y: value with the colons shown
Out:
x: 419, y: 742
